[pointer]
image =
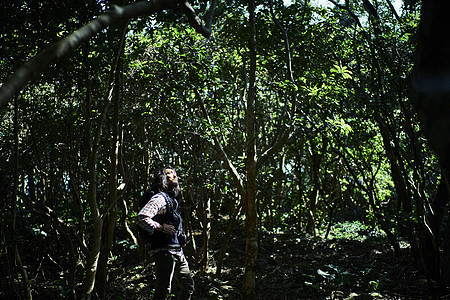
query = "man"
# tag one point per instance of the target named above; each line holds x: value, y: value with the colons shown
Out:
x: 161, y: 219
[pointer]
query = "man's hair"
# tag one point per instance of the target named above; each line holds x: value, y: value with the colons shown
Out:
x: 161, y: 184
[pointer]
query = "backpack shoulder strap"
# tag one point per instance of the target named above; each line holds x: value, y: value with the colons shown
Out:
x: 172, y: 204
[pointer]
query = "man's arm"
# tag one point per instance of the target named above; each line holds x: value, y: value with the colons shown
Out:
x: 155, y: 206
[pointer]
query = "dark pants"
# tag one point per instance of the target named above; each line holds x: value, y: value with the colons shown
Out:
x: 168, y: 267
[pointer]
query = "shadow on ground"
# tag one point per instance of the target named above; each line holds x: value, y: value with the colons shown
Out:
x: 291, y: 267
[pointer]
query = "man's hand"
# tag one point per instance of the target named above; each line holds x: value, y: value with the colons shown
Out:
x: 168, y: 229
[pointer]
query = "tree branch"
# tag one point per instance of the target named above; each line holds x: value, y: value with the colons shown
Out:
x: 392, y: 8
x: 284, y: 131
x: 194, y: 20
x: 346, y: 7
x: 67, y: 230
x: 216, y: 143
x: 210, y: 14
x: 59, y: 49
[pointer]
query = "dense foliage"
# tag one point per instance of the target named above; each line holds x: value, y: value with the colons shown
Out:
x: 337, y: 140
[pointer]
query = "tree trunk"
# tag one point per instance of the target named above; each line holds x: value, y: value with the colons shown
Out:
x: 206, y: 231
x: 226, y: 239
x: 407, y: 227
x: 111, y: 215
x: 125, y: 173
x: 431, y: 94
x: 15, y: 250
x: 187, y: 220
x: 97, y: 221
x: 314, y: 195
x: 250, y: 207
x: 384, y: 224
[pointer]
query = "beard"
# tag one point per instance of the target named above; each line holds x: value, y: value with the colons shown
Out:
x: 173, y: 189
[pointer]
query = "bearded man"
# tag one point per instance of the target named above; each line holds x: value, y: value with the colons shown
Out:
x: 162, y: 223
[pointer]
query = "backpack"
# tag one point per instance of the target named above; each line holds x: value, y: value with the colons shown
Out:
x: 157, y: 239
x: 144, y: 235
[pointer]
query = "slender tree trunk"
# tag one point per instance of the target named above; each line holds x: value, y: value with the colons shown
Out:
x: 226, y: 239
x: 277, y: 195
x: 314, y: 195
x: 15, y: 250
x: 187, y: 221
x: 111, y: 215
x: 300, y: 188
x: 110, y: 219
x: 206, y: 229
x: 407, y: 227
x: 385, y: 225
x: 250, y: 207
x: 97, y: 221
x: 92, y: 263
x: 103, y: 241
x: 126, y: 175
x: 330, y: 220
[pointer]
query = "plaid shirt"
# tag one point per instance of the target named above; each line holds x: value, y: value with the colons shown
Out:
x: 156, y: 206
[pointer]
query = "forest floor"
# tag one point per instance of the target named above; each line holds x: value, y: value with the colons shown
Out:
x: 291, y: 266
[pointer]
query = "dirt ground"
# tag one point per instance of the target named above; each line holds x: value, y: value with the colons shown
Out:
x: 291, y: 267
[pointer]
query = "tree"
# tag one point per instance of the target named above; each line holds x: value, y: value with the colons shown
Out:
x: 429, y: 83
x: 101, y: 213
x: 56, y: 51
x: 319, y: 96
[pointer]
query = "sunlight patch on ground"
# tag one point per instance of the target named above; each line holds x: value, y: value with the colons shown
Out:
x: 355, y: 230
x: 404, y: 245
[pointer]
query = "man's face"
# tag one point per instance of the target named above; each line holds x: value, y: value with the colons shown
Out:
x: 172, y: 176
